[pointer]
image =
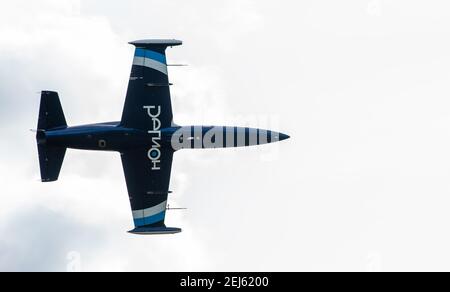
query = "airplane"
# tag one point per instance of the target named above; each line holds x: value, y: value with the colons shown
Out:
x: 146, y: 137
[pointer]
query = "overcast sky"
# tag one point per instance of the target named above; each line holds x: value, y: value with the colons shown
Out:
x: 362, y: 87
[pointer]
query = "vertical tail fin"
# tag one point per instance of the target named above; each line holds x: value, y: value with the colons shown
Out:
x: 51, y: 116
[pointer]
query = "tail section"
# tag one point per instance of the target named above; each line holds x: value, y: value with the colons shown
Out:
x: 51, y: 117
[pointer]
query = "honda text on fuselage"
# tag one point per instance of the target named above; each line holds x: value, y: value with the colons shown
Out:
x: 146, y: 137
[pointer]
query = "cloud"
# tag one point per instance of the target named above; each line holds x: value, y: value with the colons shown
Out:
x: 53, y: 46
x: 38, y: 239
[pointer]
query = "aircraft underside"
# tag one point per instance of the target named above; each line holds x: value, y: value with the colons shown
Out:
x: 145, y: 137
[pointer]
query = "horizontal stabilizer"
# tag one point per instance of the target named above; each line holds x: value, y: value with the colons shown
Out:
x: 51, y: 115
x: 154, y: 230
x: 50, y: 162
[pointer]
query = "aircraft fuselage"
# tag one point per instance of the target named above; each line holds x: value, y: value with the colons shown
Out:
x: 113, y: 137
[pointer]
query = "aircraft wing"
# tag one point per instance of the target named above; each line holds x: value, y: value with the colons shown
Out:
x: 148, y: 190
x: 148, y: 85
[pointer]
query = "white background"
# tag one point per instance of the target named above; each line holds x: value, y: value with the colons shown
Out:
x: 361, y: 86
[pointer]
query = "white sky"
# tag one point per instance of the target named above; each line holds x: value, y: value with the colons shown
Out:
x: 362, y: 87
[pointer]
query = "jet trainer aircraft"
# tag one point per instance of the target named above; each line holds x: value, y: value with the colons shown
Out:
x: 146, y: 137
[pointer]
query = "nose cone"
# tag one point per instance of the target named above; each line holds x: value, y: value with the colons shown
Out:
x: 276, y: 137
x: 283, y: 136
